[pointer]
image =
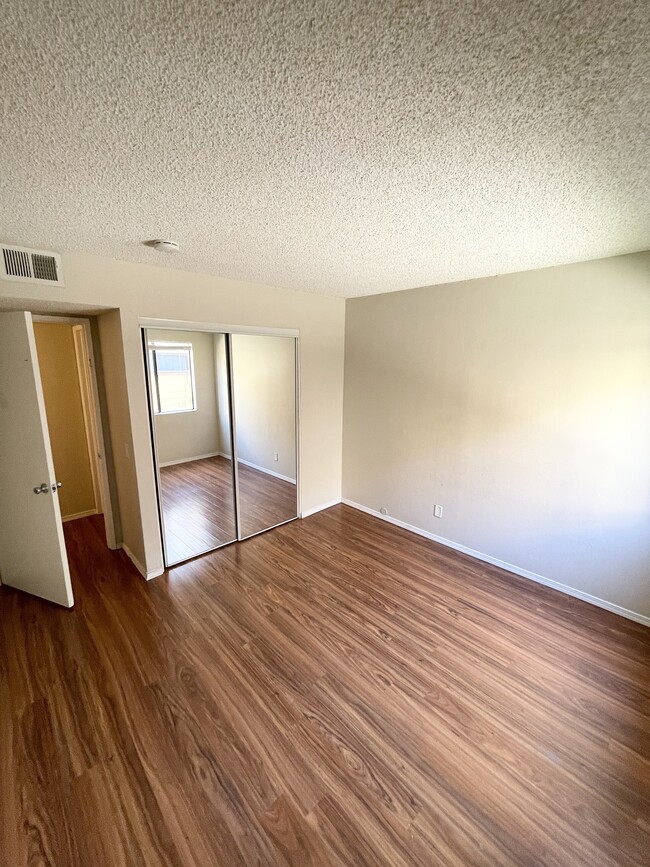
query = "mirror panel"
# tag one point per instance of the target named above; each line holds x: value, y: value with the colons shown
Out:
x: 264, y: 385
x: 190, y: 412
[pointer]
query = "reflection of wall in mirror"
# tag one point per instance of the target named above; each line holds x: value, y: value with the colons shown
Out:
x: 223, y: 398
x: 265, y: 410
x: 186, y: 436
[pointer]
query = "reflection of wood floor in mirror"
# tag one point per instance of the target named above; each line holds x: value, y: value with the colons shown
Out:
x: 197, y: 499
x: 264, y: 500
x: 198, y: 507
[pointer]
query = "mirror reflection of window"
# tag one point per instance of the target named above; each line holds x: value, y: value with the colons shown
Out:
x: 189, y: 394
x: 172, y: 374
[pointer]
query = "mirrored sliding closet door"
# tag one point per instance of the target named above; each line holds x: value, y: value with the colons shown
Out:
x: 189, y: 403
x: 223, y: 410
x: 264, y: 388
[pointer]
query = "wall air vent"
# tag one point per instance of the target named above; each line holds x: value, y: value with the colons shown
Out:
x: 30, y: 266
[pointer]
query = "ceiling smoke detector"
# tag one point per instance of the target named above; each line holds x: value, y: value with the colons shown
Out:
x: 164, y: 246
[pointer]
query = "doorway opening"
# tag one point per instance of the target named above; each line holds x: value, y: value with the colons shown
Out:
x: 68, y: 377
x: 33, y: 554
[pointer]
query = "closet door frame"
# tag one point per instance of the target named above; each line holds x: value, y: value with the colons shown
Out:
x: 154, y: 446
x: 181, y: 325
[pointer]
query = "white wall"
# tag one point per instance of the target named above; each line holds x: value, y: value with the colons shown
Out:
x: 182, y: 436
x: 264, y: 376
x: 522, y: 405
x: 146, y: 291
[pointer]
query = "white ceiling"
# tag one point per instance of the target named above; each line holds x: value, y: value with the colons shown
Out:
x: 345, y: 147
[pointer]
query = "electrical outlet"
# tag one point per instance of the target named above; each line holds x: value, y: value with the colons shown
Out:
x: 275, y: 456
x: 437, y: 511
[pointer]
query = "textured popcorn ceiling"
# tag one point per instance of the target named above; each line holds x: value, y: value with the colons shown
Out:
x: 345, y: 147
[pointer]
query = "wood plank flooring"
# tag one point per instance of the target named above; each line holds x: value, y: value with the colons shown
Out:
x: 198, y: 504
x: 198, y: 507
x: 264, y: 500
x: 335, y: 692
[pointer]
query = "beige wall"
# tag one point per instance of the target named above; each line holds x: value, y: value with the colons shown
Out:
x: 112, y: 502
x: 181, y: 436
x: 264, y: 376
x: 522, y: 405
x: 148, y: 291
x: 57, y: 362
x: 121, y: 440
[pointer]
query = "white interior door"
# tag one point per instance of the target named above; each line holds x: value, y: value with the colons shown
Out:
x: 32, y: 548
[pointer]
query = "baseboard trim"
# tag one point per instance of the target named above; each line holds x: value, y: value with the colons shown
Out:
x: 320, y: 508
x: 264, y: 470
x: 154, y: 573
x: 509, y: 567
x: 189, y: 460
x: 86, y: 514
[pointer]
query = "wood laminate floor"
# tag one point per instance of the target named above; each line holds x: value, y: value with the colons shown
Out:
x: 264, y: 500
x: 335, y: 692
x: 198, y: 504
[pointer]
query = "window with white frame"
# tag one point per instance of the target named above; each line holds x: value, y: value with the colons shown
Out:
x: 172, y: 377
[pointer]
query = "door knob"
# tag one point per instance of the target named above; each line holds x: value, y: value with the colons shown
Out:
x: 44, y: 488
x: 55, y: 486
